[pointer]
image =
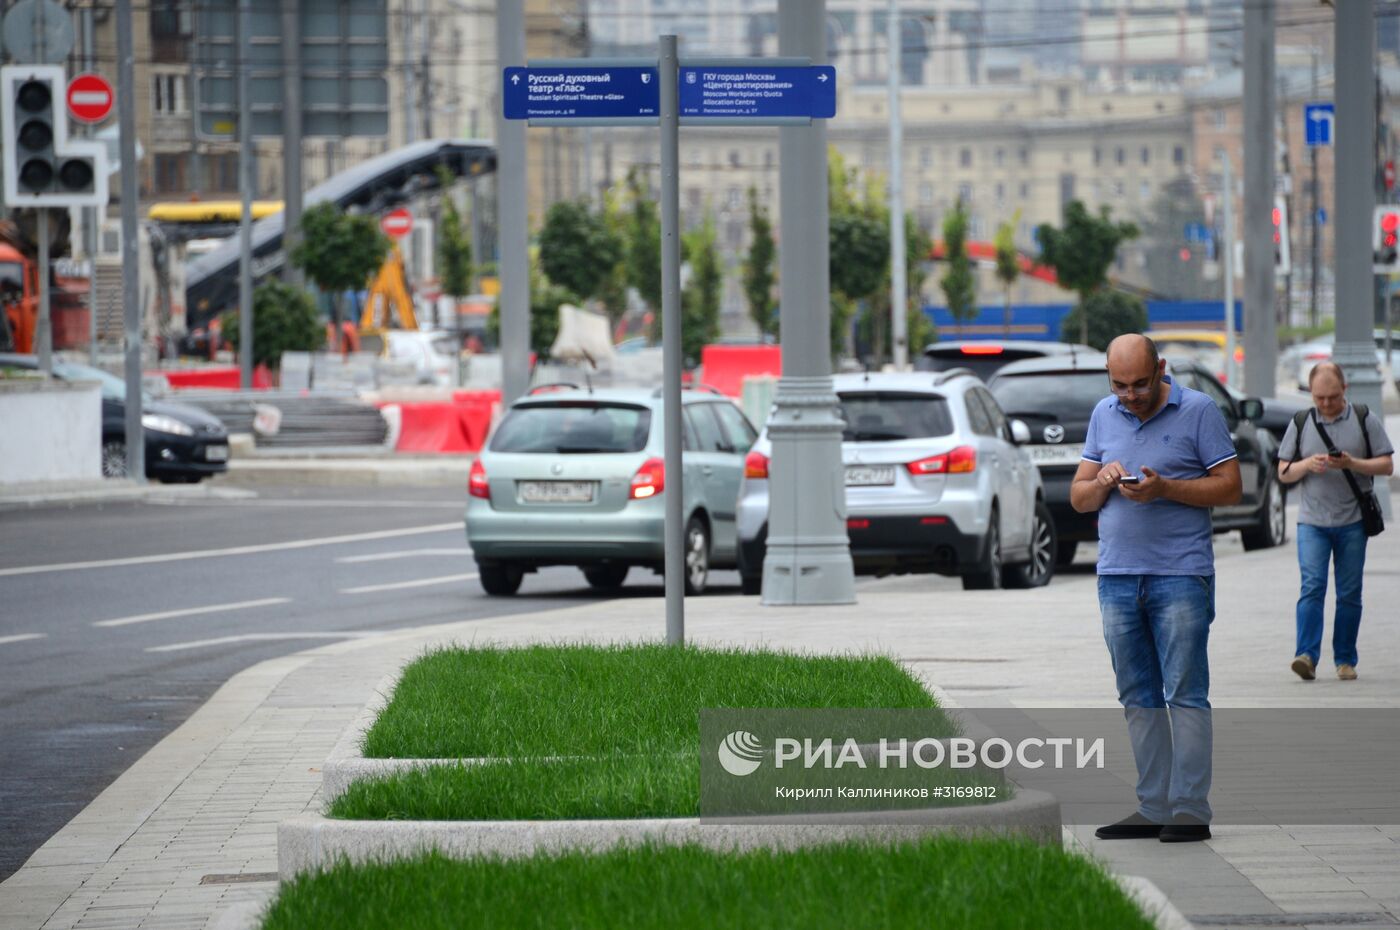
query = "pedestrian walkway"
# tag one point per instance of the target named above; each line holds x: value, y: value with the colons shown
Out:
x: 187, y: 837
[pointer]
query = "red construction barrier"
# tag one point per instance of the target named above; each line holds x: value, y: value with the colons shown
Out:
x: 218, y: 378
x: 725, y: 367
x: 455, y: 426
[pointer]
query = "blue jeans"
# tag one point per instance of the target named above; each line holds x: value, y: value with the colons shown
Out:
x: 1345, y: 547
x: 1156, y: 628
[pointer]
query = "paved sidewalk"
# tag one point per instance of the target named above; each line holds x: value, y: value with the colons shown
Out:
x: 186, y: 838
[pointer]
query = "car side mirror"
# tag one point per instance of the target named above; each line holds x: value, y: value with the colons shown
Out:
x: 1252, y: 409
x: 1020, y: 432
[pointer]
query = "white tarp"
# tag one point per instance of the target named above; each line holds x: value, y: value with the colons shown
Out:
x: 583, y: 336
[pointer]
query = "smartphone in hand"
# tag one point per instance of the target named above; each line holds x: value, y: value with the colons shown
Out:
x: 1130, y: 479
x: 1334, y: 455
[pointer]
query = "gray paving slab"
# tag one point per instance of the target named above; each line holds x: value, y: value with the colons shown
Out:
x: 206, y: 800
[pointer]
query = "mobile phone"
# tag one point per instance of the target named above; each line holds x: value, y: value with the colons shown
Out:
x: 1130, y: 479
x: 1334, y: 455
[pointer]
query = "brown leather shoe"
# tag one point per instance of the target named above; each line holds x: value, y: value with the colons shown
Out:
x: 1346, y: 672
x: 1305, y: 667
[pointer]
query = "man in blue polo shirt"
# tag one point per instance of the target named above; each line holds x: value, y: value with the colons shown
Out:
x: 1157, y: 457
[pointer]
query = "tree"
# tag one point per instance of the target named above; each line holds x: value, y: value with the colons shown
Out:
x: 1082, y: 251
x: 859, y: 247
x: 284, y: 320
x: 454, y: 257
x: 1111, y: 314
x: 959, y: 286
x: 577, y: 249
x: 643, y: 243
x: 918, y: 247
x: 701, y: 298
x: 759, y: 277
x: 338, y: 252
x: 1164, y: 228
x: 1008, y: 265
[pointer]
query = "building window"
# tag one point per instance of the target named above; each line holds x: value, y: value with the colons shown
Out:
x: 1119, y: 155
x: 1000, y: 157
x: 1025, y: 191
x: 965, y: 158
x: 1062, y: 95
x: 736, y: 198
x: 735, y: 160
x: 1098, y: 157
x: 172, y: 23
x: 1146, y: 155
x: 1001, y: 192
x: 925, y: 157
x: 168, y: 96
x: 1118, y: 188
x: 170, y: 173
x: 222, y: 171
x: 926, y: 194
x: 965, y: 193
x: 1025, y: 155
x: 1179, y: 155
x: 1145, y: 190
x: 1219, y: 117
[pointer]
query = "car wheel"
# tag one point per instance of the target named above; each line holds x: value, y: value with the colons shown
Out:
x: 697, y: 556
x: 113, y: 459
x: 988, y: 575
x: 1041, y: 567
x: 606, y: 577
x: 1272, y: 528
x: 500, y: 578
x: 1064, y: 553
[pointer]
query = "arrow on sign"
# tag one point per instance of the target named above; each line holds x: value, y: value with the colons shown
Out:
x: 822, y: 78
x: 515, y: 79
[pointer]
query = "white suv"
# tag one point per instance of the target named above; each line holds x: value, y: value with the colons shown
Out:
x: 936, y: 481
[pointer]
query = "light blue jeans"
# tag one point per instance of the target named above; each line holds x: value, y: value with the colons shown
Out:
x: 1344, y: 547
x: 1156, y: 628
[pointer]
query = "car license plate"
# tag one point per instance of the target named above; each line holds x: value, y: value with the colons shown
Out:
x: 556, y: 492
x: 1057, y: 455
x: 863, y: 476
x: 216, y: 453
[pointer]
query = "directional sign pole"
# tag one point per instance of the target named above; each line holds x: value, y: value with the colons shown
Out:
x: 131, y: 258
x: 245, y: 216
x: 671, y: 338
x: 45, y: 334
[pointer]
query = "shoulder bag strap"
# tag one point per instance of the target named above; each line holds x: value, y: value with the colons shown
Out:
x: 1346, y: 472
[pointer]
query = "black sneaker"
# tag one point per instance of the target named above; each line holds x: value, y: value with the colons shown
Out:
x: 1185, y: 829
x: 1135, y: 827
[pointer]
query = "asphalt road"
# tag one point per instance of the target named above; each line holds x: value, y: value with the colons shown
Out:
x: 117, y: 621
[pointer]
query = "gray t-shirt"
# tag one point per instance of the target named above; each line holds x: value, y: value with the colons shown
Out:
x: 1327, y: 499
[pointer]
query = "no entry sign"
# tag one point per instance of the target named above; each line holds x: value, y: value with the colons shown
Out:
x: 398, y: 223
x: 90, y: 98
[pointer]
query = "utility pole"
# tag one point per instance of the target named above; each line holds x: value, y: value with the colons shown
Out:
x: 291, y: 139
x: 425, y: 81
x: 512, y: 256
x: 1231, y: 374
x: 808, y: 558
x: 671, y: 361
x: 1355, y: 99
x: 410, y: 116
x: 89, y: 214
x: 245, y: 188
x: 1260, y: 348
x: 1312, y: 222
x: 899, y: 297
x: 131, y: 255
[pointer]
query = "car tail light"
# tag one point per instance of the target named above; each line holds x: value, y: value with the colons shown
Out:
x: 961, y: 460
x: 857, y: 524
x: 1239, y: 354
x: 649, y: 481
x: 933, y: 521
x: 477, y: 485
x: 756, y: 465
x: 990, y: 348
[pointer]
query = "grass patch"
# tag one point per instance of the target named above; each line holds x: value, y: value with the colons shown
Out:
x: 937, y: 881
x: 592, y: 700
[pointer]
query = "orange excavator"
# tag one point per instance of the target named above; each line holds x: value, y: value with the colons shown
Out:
x: 19, y: 296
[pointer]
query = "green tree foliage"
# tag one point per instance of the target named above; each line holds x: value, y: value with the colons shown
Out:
x: 643, y: 242
x: 454, y: 252
x: 759, y: 275
x: 545, y: 298
x: 1082, y: 251
x: 612, y: 291
x: 859, y: 247
x: 284, y: 320
x: 577, y: 249
x: 339, y: 252
x: 701, y: 298
x: 959, y: 285
x: 1008, y: 265
x: 1111, y: 314
x: 1164, y: 228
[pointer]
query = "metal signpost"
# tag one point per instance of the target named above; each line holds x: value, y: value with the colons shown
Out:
x: 669, y: 93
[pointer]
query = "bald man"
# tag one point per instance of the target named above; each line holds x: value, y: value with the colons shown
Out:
x: 1157, y: 457
x: 1329, y: 516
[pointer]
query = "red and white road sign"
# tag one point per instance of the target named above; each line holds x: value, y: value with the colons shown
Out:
x: 397, y: 224
x: 90, y: 98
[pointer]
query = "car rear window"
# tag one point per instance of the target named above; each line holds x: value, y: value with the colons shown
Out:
x: 573, y: 427
x: 1052, y: 395
x: 882, y: 416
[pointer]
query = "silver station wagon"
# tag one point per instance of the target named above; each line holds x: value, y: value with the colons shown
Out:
x: 577, y: 477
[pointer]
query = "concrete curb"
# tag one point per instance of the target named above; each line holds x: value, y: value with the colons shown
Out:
x: 310, y: 841
x: 114, y: 490
x: 1153, y: 903
x: 359, y: 472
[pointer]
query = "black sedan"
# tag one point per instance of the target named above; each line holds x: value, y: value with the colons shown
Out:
x: 1055, y: 397
x: 183, y: 443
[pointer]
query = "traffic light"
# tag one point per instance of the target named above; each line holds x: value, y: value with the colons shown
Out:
x: 1384, y: 230
x: 42, y: 167
x: 1283, y: 263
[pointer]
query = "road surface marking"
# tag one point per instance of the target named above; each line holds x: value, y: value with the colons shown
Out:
x: 233, y: 550
x: 21, y: 637
x: 402, y: 554
x: 416, y: 583
x: 193, y: 611
x: 257, y: 637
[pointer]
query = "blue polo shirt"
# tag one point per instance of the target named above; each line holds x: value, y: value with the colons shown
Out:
x: 1185, y: 439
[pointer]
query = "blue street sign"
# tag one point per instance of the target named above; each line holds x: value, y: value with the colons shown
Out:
x: 581, y: 93
x: 1317, y: 123
x: 1322, y: 216
x: 1197, y: 232
x: 757, y: 92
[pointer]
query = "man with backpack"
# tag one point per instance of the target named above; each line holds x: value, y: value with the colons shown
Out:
x: 1333, y: 450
